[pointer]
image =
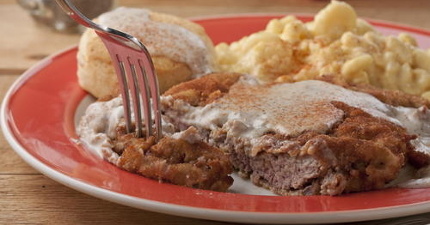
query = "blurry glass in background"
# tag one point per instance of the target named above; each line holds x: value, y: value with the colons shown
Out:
x: 48, y: 13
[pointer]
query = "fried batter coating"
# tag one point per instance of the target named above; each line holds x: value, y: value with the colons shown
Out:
x: 373, y: 149
x: 175, y: 161
x: 202, y: 93
x: 390, y: 97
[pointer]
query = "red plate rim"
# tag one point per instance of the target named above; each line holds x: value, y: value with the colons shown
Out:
x: 37, y: 120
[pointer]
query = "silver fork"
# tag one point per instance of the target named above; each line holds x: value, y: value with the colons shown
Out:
x: 135, y: 71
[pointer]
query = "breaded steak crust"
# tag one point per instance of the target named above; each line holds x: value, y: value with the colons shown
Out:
x: 359, y: 152
x: 176, y: 161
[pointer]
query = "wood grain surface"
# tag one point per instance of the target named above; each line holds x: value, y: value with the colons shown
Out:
x: 28, y: 197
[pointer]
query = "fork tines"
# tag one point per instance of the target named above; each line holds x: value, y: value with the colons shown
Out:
x: 138, y: 84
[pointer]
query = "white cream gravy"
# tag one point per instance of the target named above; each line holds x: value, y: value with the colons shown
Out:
x: 161, y: 39
x: 250, y: 110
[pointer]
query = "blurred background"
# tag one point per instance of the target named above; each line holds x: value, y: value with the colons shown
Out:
x: 33, y: 44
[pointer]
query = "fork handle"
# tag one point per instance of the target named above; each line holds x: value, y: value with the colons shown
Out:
x: 76, y: 15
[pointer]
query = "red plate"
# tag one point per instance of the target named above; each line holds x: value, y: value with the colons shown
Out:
x: 37, y: 118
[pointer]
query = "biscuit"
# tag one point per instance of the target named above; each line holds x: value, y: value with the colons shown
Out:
x: 180, y: 50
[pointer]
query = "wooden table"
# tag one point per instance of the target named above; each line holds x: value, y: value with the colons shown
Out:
x: 28, y: 197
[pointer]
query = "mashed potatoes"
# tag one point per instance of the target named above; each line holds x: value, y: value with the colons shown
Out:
x: 336, y: 42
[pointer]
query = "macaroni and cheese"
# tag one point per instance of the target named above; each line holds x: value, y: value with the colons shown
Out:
x: 335, y: 42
